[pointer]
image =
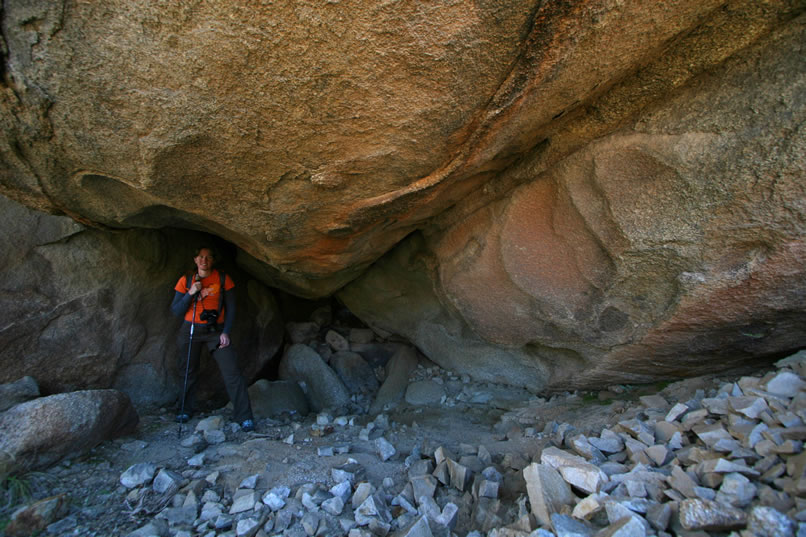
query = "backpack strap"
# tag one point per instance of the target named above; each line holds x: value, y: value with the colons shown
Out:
x: 222, y: 291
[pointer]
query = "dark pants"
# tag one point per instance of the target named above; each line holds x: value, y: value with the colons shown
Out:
x: 227, y: 360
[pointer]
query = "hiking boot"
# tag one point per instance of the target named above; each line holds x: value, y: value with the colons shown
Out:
x: 182, y: 418
x: 248, y: 425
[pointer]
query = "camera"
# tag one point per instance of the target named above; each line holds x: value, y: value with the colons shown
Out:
x: 209, y: 316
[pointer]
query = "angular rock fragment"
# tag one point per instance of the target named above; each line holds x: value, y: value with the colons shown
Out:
x: 548, y: 492
x: 589, y: 506
x: 682, y: 482
x: 706, y: 515
x: 786, y: 384
x: 460, y: 475
x: 736, y: 490
x: 243, y: 500
x: 617, y: 511
x: 768, y: 522
x: 583, y: 447
x: 350, y: 471
x: 724, y: 466
x: 418, y: 528
x: 166, y: 480
x: 710, y: 434
x: 608, y: 442
x: 625, y: 527
x: 638, y: 430
x: 362, y: 492
x: 448, y: 516
x: 275, y: 498
x: 658, y: 516
x: 424, y: 485
x: 373, y: 508
x: 658, y: 454
x: 420, y: 467
x: 441, y: 454
x: 574, y: 469
x: 565, y: 526
x: 750, y: 406
x: 138, y: 474
x: 676, y: 411
x: 385, y: 448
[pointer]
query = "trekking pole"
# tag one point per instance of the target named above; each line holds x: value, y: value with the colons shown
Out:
x: 187, y: 363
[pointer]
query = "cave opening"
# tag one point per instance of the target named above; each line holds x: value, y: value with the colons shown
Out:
x: 270, y: 321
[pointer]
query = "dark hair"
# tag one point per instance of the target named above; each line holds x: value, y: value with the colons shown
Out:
x: 205, y: 247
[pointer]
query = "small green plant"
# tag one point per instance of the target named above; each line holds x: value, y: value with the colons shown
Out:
x: 14, y: 490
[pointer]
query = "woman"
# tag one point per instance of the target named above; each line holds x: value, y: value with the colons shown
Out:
x: 207, y: 303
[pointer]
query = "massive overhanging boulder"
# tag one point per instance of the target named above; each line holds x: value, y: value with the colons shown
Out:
x: 582, y: 179
x: 317, y: 136
x: 673, y: 247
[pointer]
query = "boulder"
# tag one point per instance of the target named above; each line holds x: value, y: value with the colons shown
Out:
x: 271, y: 398
x: 35, y: 518
x: 324, y: 389
x: 356, y: 374
x: 366, y: 126
x: 39, y: 433
x: 17, y: 392
x: 394, y: 387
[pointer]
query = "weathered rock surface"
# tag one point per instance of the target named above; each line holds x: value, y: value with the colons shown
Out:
x: 38, y: 433
x: 655, y: 241
x: 33, y: 519
x: 18, y: 392
x: 354, y: 371
x: 324, y: 388
x: 396, y: 382
x: 270, y: 399
x: 579, y: 211
x: 84, y: 309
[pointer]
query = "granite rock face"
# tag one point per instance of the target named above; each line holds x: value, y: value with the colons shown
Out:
x: 85, y: 309
x: 566, y: 210
x: 666, y: 240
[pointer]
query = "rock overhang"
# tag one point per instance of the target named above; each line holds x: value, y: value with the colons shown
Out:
x: 318, y: 138
x: 315, y: 138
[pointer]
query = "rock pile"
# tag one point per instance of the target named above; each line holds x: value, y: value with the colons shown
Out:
x: 439, y: 495
x: 343, y: 367
x: 732, y: 461
x: 727, y: 461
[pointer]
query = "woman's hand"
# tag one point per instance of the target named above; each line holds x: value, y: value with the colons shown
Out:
x: 223, y: 340
x: 195, y: 287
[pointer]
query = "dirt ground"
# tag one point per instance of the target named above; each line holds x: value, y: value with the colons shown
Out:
x: 509, y: 422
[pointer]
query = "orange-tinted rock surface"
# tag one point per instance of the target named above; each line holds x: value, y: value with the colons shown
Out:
x: 599, y: 190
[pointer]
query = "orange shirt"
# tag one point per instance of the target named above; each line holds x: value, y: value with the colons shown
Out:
x: 212, y: 284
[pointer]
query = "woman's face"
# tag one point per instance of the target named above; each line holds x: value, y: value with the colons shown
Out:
x: 204, y: 261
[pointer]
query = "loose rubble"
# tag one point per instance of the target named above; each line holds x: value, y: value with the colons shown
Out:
x: 728, y: 460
